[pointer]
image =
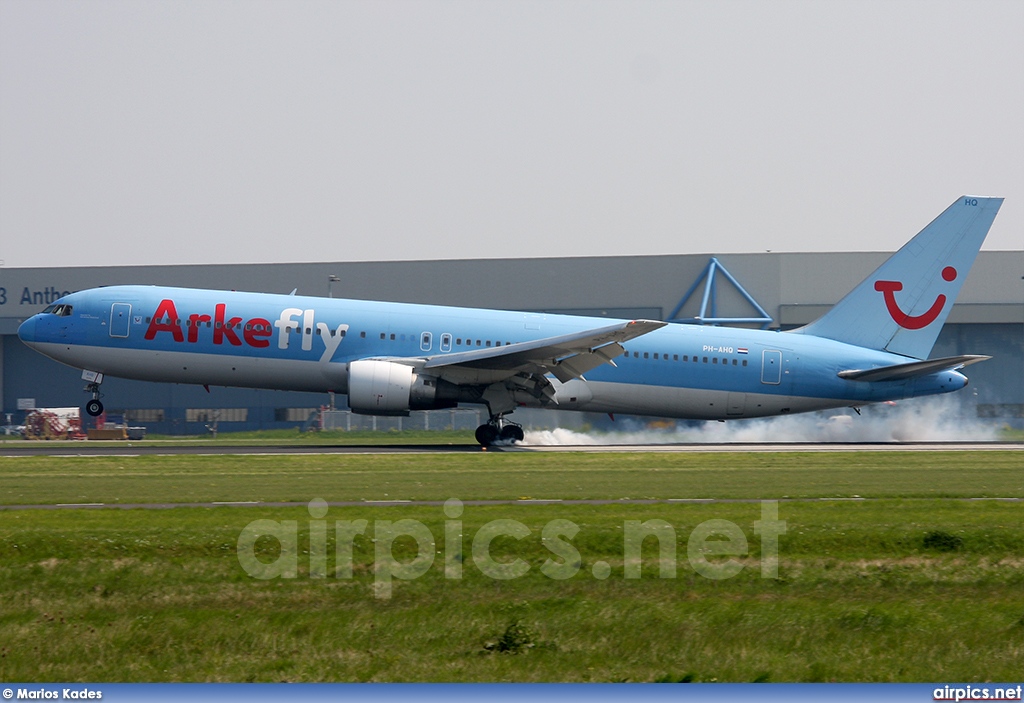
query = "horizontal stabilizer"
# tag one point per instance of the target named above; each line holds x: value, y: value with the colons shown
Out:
x: 901, y: 372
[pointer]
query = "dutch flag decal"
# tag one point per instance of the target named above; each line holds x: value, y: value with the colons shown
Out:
x: 741, y: 350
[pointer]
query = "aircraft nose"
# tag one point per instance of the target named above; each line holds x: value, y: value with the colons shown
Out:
x: 27, y: 330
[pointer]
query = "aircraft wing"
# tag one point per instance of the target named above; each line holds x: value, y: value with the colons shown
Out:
x: 566, y: 356
x: 900, y: 372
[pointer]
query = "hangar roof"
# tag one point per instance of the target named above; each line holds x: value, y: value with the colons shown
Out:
x: 794, y: 288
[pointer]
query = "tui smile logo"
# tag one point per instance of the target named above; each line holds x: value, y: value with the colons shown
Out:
x: 905, y: 320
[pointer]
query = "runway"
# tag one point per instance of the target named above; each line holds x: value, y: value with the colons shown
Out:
x: 782, y: 447
x: 77, y: 449
x: 467, y: 503
x: 124, y: 449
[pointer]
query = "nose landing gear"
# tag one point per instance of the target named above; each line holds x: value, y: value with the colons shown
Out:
x: 498, y: 429
x: 94, y: 407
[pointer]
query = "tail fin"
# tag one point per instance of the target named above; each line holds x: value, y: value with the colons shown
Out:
x: 902, y: 305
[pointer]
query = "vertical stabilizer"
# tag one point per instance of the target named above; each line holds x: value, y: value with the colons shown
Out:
x: 902, y: 305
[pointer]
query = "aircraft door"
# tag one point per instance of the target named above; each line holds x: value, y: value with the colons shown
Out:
x: 736, y: 405
x: 771, y: 367
x: 120, y: 318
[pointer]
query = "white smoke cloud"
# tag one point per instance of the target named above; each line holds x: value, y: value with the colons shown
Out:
x: 921, y: 420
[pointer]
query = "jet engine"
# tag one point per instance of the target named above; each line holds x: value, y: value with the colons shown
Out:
x: 386, y: 388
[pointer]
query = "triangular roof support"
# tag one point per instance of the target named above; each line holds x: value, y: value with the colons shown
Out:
x: 710, y: 299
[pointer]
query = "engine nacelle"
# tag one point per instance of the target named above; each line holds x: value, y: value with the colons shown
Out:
x: 387, y: 388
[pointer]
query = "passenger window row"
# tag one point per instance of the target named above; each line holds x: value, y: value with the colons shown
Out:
x: 725, y: 361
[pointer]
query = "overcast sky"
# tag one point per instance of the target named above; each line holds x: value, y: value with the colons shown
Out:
x: 151, y: 132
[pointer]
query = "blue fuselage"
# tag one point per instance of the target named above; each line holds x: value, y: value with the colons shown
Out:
x: 182, y: 335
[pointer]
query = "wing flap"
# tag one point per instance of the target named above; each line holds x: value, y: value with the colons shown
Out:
x: 901, y: 372
x: 575, y: 366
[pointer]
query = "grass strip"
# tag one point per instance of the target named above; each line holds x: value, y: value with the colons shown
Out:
x: 510, y: 476
x: 862, y: 595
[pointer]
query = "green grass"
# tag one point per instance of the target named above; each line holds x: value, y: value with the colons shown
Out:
x: 490, y: 475
x: 914, y: 586
x: 160, y: 596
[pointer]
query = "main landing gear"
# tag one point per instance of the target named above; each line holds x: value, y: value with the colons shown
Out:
x: 498, y: 429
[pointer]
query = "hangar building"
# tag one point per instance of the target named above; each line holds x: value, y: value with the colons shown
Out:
x: 793, y: 288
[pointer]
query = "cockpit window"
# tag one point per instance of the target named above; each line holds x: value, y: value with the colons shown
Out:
x: 59, y: 310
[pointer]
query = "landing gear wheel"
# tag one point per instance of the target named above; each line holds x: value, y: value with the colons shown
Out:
x: 94, y: 407
x: 512, y: 433
x: 487, y: 435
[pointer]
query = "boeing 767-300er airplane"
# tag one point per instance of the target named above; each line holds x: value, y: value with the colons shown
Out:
x: 391, y: 358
